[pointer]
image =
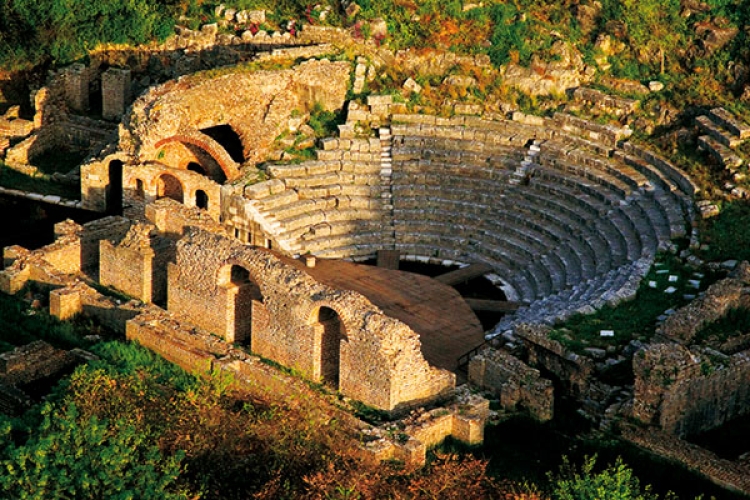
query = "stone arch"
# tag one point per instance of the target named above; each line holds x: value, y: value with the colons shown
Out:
x: 229, y: 139
x: 246, y: 310
x: 332, y: 330
x: 208, y: 144
x: 197, y: 167
x: 169, y: 186
x: 201, y: 199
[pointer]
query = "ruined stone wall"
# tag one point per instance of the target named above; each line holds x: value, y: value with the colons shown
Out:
x: 152, y: 177
x: 115, y: 93
x: 257, y: 105
x: 514, y: 382
x: 380, y: 358
x: 171, y: 218
x: 137, y: 264
x: 572, y: 370
x: 31, y: 362
x: 718, y: 299
x: 734, y: 476
x: 685, y: 392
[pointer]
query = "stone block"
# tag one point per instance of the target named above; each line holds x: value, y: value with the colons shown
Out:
x: 64, y: 304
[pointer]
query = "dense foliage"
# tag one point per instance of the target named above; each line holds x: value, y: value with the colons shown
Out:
x: 60, y: 31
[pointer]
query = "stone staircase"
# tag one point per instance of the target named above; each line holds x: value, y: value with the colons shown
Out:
x: 722, y: 135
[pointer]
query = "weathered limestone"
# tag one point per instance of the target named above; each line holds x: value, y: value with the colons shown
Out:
x: 686, y: 391
x: 514, y: 382
x: 290, y: 324
x: 256, y: 105
x: 115, y: 93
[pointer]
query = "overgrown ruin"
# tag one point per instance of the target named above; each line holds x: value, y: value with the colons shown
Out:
x: 209, y: 242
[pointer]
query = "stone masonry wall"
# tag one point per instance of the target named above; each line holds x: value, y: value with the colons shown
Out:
x: 514, y: 382
x: 257, y: 105
x: 685, y: 392
x: 380, y: 359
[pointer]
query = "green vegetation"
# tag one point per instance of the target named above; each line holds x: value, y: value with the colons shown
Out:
x: 735, y: 323
x: 637, y: 318
x: 726, y: 234
x: 42, y: 184
x: 20, y: 325
x: 616, y: 482
x: 61, y: 31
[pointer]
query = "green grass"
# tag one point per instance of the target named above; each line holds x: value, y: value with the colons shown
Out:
x: 13, y: 179
x: 20, y: 325
x: 735, y: 323
x: 634, y: 319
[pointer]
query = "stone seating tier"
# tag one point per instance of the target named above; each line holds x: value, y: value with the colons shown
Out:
x: 554, y: 149
x: 725, y: 156
x: 730, y: 122
x: 719, y: 134
x: 662, y: 169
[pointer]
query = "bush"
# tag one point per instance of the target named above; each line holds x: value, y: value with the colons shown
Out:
x: 615, y: 482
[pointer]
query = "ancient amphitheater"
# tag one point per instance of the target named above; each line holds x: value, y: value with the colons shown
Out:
x: 563, y: 214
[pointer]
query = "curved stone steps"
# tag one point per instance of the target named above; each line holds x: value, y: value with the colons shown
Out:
x: 574, y: 183
x: 628, y: 175
x: 605, y: 180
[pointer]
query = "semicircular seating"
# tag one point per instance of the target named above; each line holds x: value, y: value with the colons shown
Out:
x: 568, y: 218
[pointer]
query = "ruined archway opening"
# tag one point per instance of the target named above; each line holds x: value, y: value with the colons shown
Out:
x: 248, y: 305
x: 229, y: 140
x: 201, y: 199
x: 333, y: 335
x: 114, y: 189
x: 203, y: 163
x: 196, y: 167
x: 169, y: 186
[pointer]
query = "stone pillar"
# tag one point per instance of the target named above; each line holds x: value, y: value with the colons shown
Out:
x: 77, y: 87
x: 115, y: 93
x: 65, y: 304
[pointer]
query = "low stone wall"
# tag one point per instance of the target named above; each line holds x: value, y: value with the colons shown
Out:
x: 514, y: 382
x: 32, y: 362
x: 686, y: 392
x: 733, y: 476
x: 719, y: 298
x: 594, y: 98
x: 406, y: 440
x: 572, y: 370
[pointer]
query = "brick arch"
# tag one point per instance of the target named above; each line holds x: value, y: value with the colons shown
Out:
x: 230, y: 167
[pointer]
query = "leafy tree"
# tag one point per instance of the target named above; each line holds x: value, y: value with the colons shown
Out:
x: 615, y: 482
x: 68, y: 457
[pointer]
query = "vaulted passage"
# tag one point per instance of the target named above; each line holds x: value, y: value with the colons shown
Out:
x: 228, y: 138
x: 333, y: 334
x: 248, y: 300
x: 170, y: 187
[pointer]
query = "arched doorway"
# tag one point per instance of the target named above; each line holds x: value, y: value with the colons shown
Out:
x: 114, y: 189
x: 333, y: 334
x: 169, y: 186
x: 201, y: 199
x: 229, y: 140
x: 248, y: 303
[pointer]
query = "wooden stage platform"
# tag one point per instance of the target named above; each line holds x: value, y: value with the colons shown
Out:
x: 445, y: 323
